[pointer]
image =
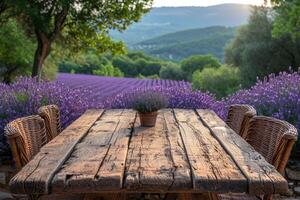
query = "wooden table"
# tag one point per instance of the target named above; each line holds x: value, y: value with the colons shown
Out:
x: 188, y: 151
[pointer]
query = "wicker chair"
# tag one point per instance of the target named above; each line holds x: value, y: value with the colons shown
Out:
x: 26, y: 136
x: 238, y: 118
x: 51, y: 115
x: 274, y: 140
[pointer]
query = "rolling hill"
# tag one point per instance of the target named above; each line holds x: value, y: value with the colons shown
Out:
x: 160, y: 21
x: 179, y: 45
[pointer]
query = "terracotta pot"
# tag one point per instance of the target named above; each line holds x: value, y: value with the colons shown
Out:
x: 148, y: 119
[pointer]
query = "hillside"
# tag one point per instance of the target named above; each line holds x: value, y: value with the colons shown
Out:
x: 160, y: 21
x: 179, y: 45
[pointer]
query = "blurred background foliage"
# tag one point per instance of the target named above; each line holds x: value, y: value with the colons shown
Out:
x: 222, y: 81
x: 263, y: 46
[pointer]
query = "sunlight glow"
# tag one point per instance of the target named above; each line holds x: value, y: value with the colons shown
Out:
x: 175, y: 3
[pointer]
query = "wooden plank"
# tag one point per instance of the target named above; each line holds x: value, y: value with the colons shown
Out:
x: 34, y: 178
x: 262, y: 176
x: 212, y: 169
x: 156, y: 159
x: 97, y: 163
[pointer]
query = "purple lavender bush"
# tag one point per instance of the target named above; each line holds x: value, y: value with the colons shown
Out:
x: 149, y: 101
x: 178, y: 97
x: 276, y: 96
x: 25, y: 96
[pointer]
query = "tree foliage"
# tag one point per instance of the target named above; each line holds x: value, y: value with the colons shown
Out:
x: 132, y: 64
x: 172, y: 71
x: 137, y: 63
x: 257, y: 53
x: 109, y: 70
x: 287, y: 19
x: 220, y: 81
x: 198, y: 62
x: 16, y: 51
x: 85, y: 22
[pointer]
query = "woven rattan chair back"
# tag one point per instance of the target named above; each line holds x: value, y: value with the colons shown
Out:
x: 26, y: 136
x: 272, y: 138
x: 238, y: 118
x: 51, y: 115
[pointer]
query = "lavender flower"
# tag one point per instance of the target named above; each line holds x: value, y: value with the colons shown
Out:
x: 25, y: 96
x: 277, y: 96
x: 148, y: 101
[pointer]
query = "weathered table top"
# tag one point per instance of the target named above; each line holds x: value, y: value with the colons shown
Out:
x: 187, y: 151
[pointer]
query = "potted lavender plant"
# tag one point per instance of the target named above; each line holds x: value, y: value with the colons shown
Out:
x: 147, y: 104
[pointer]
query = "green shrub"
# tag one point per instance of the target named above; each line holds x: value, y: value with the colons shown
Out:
x: 172, y: 71
x: 16, y: 51
x: 125, y: 64
x: 198, y: 62
x: 50, y: 69
x: 109, y: 70
x: 221, y: 81
x: 21, y: 97
x: 141, y: 76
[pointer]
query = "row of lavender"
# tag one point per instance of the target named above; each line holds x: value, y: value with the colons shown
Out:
x: 107, y: 87
x: 277, y: 96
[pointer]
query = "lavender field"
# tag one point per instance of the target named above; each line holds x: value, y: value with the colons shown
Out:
x: 104, y: 88
x: 276, y: 96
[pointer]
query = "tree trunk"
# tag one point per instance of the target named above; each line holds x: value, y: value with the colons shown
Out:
x: 41, y: 53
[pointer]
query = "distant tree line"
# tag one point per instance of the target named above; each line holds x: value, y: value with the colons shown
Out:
x: 132, y: 64
x: 204, y: 71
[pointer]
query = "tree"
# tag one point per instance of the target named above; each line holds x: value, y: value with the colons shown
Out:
x: 84, y: 22
x: 137, y: 63
x: 287, y: 19
x: 126, y: 65
x: 15, y: 51
x: 222, y: 81
x: 172, y: 71
x: 147, y: 67
x: 109, y: 70
x: 198, y: 62
x: 257, y: 53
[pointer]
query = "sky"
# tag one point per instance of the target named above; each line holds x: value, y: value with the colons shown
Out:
x: 159, y: 3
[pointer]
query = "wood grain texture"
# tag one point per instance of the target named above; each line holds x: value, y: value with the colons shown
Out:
x: 35, y: 177
x: 212, y: 169
x: 262, y: 176
x: 97, y: 163
x: 108, y: 152
x: 156, y: 159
